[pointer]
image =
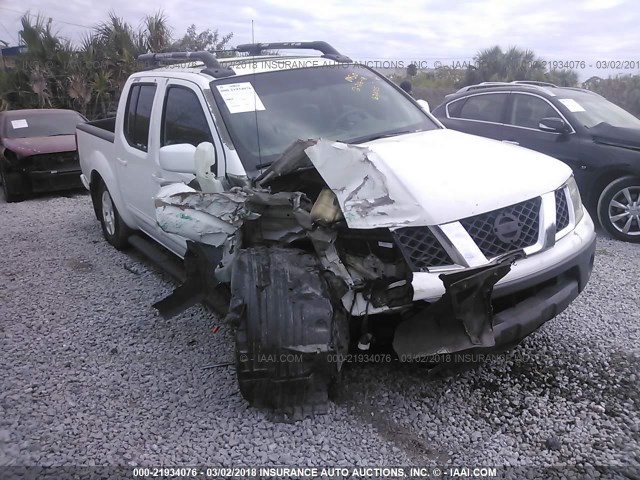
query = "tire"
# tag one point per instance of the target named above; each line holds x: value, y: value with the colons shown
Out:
x: 619, y: 209
x: 10, y: 186
x: 114, y: 229
x: 282, y: 301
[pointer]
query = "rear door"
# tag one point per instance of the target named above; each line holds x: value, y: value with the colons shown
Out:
x: 134, y: 160
x: 479, y: 114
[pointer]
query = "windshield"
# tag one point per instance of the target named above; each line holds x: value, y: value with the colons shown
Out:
x: 41, y: 124
x: 591, y: 110
x: 267, y: 112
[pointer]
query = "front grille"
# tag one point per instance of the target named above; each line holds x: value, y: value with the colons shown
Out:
x: 562, y: 210
x: 506, y: 229
x: 54, y: 161
x: 420, y: 248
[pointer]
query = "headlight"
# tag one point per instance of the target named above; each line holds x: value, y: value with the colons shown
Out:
x: 576, y: 201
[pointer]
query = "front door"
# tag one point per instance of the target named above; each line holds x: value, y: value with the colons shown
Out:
x: 183, y: 120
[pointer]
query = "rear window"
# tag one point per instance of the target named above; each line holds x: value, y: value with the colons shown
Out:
x: 136, y: 122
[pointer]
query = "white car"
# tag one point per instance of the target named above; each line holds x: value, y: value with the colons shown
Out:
x: 338, y: 212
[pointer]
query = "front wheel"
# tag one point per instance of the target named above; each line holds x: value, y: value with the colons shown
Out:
x: 289, y: 336
x: 114, y: 229
x: 11, y: 183
x: 619, y: 209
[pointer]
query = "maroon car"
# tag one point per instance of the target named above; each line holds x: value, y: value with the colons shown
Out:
x: 38, y: 151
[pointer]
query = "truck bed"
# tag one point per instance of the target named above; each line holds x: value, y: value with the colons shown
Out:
x: 96, y: 147
x: 103, y: 129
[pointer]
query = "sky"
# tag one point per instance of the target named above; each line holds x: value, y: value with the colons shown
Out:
x: 429, y: 31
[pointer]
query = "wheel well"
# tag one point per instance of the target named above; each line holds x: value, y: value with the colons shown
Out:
x: 7, y: 157
x: 94, y: 182
x: 600, y: 184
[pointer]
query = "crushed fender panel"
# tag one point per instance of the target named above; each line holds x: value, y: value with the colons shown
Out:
x: 202, y: 217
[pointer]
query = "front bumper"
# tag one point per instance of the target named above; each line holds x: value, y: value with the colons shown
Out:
x: 542, y: 297
x: 46, y: 181
x: 520, y: 302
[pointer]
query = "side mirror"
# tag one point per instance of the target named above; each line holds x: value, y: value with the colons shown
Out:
x: 177, y: 158
x: 553, y: 124
x: 204, y: 160
x: 424, y: 104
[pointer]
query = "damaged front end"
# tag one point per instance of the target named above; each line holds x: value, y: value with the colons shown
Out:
x: 462, y: 319
x: 343, y: 205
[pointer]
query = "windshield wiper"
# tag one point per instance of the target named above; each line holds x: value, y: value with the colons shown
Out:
x: 260, y: 166
x: 377, y: 136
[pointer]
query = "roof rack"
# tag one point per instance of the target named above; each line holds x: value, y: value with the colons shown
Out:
x: 526, y: 83
x: 255, y: 49
x: 212, y: 67
x: 534, y: 82
x: 478, y: 86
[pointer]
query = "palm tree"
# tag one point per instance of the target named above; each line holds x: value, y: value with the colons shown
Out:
x: 494, y: 65
x: 563, y: 78
x: 79, y: 92
x: 88, y: 77
x: 101, y: 90
x: 38, y: 84
x: 157, y: 33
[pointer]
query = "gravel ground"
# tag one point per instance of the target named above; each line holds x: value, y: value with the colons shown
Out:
x: 92, y: 375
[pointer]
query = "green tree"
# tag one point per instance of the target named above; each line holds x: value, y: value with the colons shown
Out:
x: 494, y: 65
x: 623, y: 91
x: 562, y: 78
x: 209, y: 40
x: 88, y: 77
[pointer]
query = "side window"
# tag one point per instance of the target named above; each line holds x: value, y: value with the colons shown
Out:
x: 453, y: 109
x: 184, y: 120
x: 486, y: 107
x: 136, y: 123
x: 528, y: 110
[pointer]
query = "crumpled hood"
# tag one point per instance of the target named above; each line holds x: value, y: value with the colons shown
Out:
x: 26, y: 147
x: 430, y: 178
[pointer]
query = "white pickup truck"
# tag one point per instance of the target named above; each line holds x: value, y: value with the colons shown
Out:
x: 335, y: 212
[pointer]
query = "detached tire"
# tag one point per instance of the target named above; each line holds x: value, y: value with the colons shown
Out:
x: 287, y: 331
x: 619, y: 209
x: 114, y: 229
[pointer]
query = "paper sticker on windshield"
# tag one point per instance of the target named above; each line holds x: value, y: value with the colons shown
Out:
x: 571, y: 104
x: 19, y: 124
x: 240, y: 97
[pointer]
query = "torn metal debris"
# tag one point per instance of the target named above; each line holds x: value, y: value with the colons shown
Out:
x: 202, y: 217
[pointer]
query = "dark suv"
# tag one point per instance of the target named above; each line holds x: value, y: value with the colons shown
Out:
x: 597, y: 139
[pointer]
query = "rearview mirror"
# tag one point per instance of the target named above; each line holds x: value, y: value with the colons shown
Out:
x: 178, y: 158
x: 553, y: 124
x: 424, y: 104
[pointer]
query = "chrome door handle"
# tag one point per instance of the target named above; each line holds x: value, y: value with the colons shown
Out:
x: 122, y: 161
